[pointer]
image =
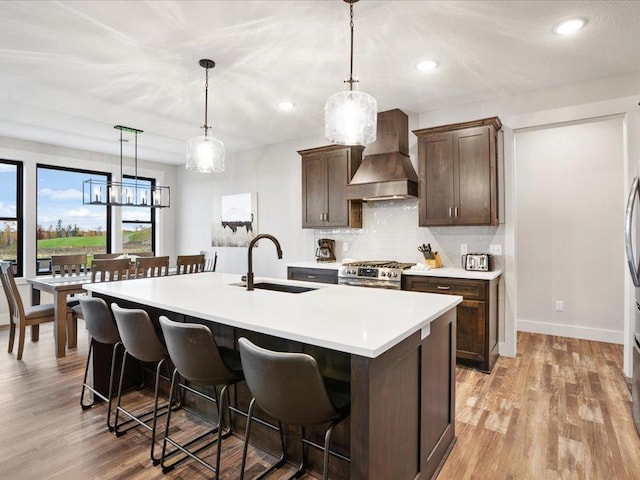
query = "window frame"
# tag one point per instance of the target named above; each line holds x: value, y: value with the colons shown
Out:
x: 19, y: 219
x: 153, y: 220
x: 73, y: 170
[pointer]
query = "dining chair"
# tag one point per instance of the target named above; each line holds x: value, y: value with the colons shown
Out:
x: 210, y: 261
x: 151, y: 267
x: 110, y: 270
x: 67, y: 265
x: 20, y: 316
x: 106, y: 256
x: 190, y: 264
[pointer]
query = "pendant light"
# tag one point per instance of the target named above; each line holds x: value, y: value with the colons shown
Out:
x: 350, y: 116
x: 205, y: 154
x: 130, y: 193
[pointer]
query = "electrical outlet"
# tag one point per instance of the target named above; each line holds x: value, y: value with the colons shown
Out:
x: 559, y: 306
x: 495, y: 249
x: 463, y: 249
x: 345, y: 247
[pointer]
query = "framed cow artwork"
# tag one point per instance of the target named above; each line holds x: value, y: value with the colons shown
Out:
x: 235, y: 220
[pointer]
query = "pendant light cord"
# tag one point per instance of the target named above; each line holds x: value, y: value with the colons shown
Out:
x: 136, y: 160
x: 351, y: 62
x: 351, y: 80
x: 206, y: 100
x: 121, y: 155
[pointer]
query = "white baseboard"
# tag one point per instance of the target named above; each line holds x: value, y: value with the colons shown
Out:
x: 505, y: 351
x: 571, y: 331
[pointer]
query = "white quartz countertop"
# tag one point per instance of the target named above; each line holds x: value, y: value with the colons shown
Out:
x: 357, y: 320
x: 453, y: 272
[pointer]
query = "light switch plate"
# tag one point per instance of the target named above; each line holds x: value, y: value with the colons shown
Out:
x: 495, y: 249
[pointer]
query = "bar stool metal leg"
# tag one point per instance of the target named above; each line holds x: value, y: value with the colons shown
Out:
x: 140, y: 419
x: 109, y: 396
x: 279, y: 463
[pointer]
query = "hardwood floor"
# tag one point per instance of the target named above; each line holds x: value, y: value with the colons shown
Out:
x: 559, y: 410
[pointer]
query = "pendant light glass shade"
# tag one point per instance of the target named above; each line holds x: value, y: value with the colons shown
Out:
x: 205, y: 154
x: 351, y: 116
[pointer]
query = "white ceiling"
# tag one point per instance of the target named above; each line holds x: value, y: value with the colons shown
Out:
x: 71, y: 70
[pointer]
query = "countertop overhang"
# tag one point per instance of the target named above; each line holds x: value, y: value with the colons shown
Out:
x: 356, y: 320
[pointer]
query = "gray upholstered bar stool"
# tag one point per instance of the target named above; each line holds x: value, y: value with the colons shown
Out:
x: 102, y: 328
x: 199, y: 361
x: 290, y: 388
x: 142, y: 343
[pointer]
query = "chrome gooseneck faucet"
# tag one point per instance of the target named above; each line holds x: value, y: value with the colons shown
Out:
x: 250, y: 255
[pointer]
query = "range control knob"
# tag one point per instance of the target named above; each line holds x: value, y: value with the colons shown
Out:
x: 394, y: 274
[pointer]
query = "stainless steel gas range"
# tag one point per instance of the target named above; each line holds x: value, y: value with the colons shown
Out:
x: 379, y: 273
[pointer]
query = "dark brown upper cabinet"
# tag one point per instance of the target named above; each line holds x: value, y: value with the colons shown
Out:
x: 458, y: 173
x: 326, y: 171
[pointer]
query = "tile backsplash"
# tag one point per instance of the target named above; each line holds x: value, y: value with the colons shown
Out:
x: 390, y: 232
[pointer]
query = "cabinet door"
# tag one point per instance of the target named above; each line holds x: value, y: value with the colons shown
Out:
x: 473, y: 166
x: 470, y: 336
x: 337, y: 212
x: 314, y: 190
x: 436, y: 170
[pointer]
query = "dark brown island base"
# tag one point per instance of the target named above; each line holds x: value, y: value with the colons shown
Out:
x: 401, y: 375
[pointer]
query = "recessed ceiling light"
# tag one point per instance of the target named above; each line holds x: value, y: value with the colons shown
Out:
x: 427, y: 65
x: 286, y: 106
x: 569, y: 27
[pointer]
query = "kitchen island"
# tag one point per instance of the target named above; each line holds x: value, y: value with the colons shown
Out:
x: 396, y: 349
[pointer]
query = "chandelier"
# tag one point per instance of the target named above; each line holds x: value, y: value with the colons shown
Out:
x: 205, y: 154
x: 130, y: 193
x: 350, y: 116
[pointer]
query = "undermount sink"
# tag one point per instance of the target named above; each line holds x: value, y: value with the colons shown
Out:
x: 278, y: 287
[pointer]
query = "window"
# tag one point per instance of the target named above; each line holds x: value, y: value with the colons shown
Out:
x: 11, y: 213
x: 64, y: 225
x: 139, y: 223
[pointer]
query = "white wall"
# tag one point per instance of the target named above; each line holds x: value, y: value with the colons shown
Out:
x: 274, y: 173
x: 32, y: 153
x: 569, y: 229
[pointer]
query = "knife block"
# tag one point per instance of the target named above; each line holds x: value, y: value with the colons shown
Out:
x: 435, y: 262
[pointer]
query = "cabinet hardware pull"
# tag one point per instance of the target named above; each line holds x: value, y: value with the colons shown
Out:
x: 449, y: 212
x: 456, y: 211
x: 311, y: 276
x: 440, y: 287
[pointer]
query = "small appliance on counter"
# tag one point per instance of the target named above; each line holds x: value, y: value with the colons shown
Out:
x: 477, y: 262
x: 326, y: 250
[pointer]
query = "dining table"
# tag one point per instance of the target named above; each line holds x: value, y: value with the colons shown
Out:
x: 60, y: 287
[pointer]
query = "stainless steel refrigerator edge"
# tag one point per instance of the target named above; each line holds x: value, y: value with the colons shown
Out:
x: 632, y: 247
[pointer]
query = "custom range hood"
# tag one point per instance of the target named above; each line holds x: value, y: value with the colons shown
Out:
x: 386, y: 171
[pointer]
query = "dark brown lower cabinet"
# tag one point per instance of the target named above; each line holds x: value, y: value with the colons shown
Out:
x: 319, y: 275
x: 477, y: 315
